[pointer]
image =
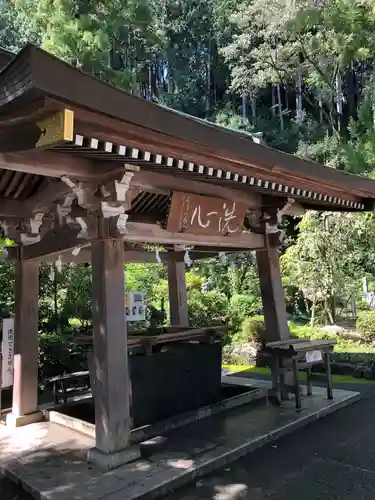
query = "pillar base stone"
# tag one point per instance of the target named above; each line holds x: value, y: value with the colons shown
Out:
x: 14, y: 421
x: 110, y: 461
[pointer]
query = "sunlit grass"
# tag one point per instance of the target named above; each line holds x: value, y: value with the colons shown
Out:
x: 339, y: 379
x: 355, y: 347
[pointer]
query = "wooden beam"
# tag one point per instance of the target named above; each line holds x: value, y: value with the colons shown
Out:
x: 13, y: 208
x: 177, y: 293
x: 130, y: 256
x: 152, y: 233
x: 56, y: 128
x: 53, y: 243
x: 52, y: 191
x: 166, y: 183
x: 134, y: 136
x: 65, y: 239
x: 263, y: 162
x: 52, y: 164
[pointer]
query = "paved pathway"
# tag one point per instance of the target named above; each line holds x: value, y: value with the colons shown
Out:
x: 334, y: 458
x: 331, y: 459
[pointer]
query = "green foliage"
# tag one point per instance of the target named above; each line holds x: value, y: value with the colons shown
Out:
x: 279, y: 41
x: 6, y: 289
x: 240, y: 307
x: 58, y: 355
x: 306, y: 331
x: 325, y: 260
x: 94, y: 36
x: 231, y: 274
x: 144, y: 277
x: 253, y: 329
x: 206, y: 307
x: 366, y: 324
x: 15, y: 27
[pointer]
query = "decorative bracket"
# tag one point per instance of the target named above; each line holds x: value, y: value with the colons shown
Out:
x: 111, y: 210
x: 121, y: 223
x: 27, y: 239
x: 65, y: 209
x: 84, y: 228
x: 122, y: 186
x: 36, y: 222
x: 273, y: 220
x: 83, y: 192
x: 4, y: 227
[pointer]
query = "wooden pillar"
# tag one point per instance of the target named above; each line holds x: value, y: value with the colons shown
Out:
x: 177, y: 293
x: 25, y: 382
x: 272, y: 294
x: 111, y: 387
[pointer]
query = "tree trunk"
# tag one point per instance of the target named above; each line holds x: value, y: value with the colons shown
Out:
x: 280, y: 107
x: 313, y: 308
x: 299, y: 100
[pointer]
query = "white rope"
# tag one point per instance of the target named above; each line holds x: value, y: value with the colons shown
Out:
x: 187, y: 259
x: 157, y: 256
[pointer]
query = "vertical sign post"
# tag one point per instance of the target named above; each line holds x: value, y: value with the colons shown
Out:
x: 7, y: 350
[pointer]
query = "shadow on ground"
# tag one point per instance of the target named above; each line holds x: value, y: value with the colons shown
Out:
x: 333, y: 458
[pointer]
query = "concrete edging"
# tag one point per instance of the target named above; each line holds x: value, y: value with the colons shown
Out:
x: 151, y: 431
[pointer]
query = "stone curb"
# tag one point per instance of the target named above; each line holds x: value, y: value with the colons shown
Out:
x: 206, y: 465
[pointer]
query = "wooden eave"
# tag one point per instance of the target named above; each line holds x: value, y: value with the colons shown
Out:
x: 127, y: 129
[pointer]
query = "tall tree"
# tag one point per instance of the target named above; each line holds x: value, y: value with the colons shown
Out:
x: 190, y: 54
x: 15, y: 28
x: 111, y: 39
x: 325, y: 44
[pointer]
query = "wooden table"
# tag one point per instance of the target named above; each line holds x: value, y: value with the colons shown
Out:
x: 299, y: 354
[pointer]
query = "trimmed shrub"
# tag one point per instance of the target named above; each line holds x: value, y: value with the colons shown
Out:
x: 253, y: 329
x: 241, y: 307
x: 306, y: 331
x: 58, y: 355
x: 206, y: 307
x: 366, y: 325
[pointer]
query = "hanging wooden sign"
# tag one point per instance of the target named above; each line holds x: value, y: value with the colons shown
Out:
x: 197, y: 214
x: 135, y: 309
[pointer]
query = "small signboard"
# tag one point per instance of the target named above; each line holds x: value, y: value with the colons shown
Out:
x: 7, y: 351
x: 197, y: 214
x: 135, y: 306
x: 314, y: 356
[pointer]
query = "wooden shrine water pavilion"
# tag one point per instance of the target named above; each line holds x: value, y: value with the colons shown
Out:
x: 90, y: 173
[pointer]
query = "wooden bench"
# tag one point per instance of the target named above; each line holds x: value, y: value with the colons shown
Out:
x: 63, y: 388
x: 298, y: 355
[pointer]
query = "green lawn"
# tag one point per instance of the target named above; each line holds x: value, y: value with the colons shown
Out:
x: 355, y: 348
x: 341, y: 379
